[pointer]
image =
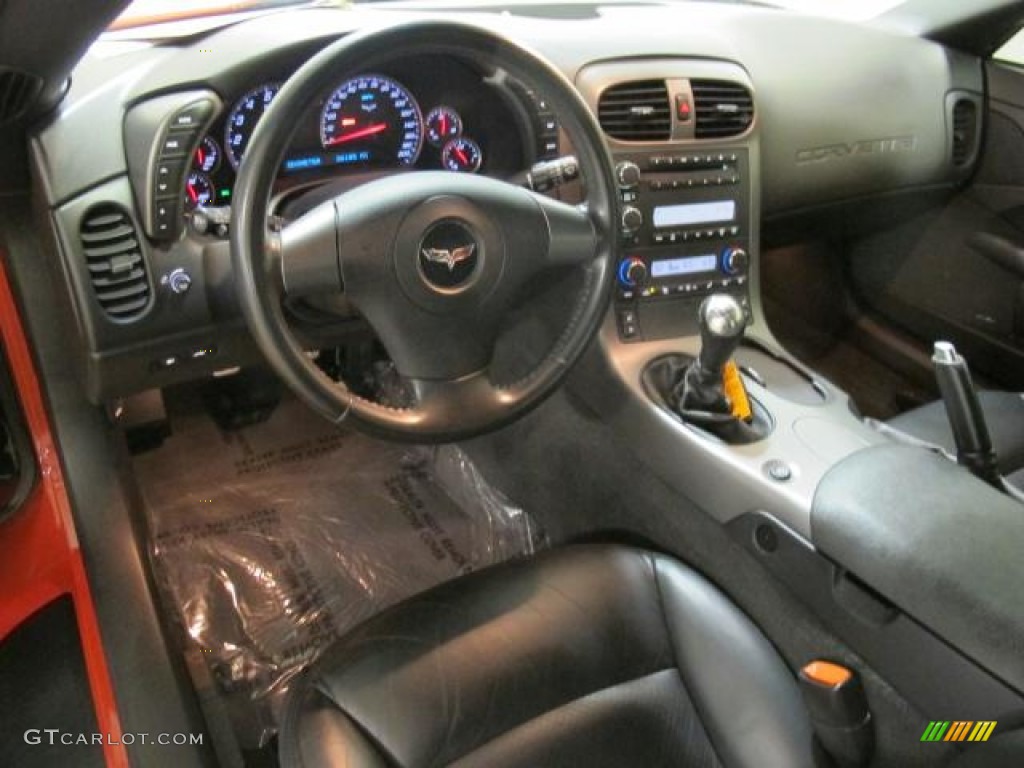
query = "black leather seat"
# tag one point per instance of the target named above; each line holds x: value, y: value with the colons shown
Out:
x: 1004, y: 413
x: 589, y: 656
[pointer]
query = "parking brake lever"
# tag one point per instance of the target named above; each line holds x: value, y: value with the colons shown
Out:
x: 967, y: 420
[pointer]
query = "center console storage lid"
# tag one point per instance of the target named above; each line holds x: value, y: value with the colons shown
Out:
x: 941, y: 545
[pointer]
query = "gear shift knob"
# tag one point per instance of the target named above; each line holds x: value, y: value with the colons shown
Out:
x: 722, y: 321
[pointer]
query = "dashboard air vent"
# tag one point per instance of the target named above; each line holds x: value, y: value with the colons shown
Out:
x: 722, y: 108
x: 113, y: 256
x: 17, y: 91
x: 636, y: 111
x: 965, y: 130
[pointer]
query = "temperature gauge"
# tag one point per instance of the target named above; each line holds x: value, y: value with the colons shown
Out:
x: 443, y: 124
x: 198, y: 190
x: 207, y: 156
x: 462, y: 154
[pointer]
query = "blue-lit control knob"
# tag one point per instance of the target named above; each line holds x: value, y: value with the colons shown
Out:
x: 632, y: 272
x: 735, y: 261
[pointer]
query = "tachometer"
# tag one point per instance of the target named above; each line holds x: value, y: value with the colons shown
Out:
x: 372, y: 119
x: 243, y: 118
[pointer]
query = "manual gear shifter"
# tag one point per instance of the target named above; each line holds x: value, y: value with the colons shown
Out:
x: 702, y: 388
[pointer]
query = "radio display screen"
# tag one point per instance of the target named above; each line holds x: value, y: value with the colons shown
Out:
x: 687, y: 266
x: 694, y: 213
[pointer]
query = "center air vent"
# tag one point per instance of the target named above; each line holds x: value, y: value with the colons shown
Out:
x: 636, y: 111
x: 965, y: 130
x: 722, y: 108
x: 114, y: 258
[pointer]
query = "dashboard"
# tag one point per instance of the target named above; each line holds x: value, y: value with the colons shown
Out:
x: 708, y: 112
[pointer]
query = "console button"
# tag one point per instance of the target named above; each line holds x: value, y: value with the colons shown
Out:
x: 628, y: 326
x: 777, y: 470
x: 192, y: 117
x: 175, y: 145
x: 684, y: 111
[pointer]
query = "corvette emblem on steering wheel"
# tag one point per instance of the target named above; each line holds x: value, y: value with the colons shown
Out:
x: 449, y: 256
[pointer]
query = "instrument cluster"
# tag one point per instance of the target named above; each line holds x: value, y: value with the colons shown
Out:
x: 373, y: 122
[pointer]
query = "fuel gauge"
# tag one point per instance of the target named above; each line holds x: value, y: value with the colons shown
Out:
x: 198, y: 190
x: 462, y: 155
x: 443, y: 124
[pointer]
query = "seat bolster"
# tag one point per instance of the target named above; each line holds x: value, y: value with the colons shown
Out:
x: 316, y: 734
x: 746, y: 696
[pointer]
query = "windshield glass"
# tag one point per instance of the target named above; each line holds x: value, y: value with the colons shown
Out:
x: 147, y: 12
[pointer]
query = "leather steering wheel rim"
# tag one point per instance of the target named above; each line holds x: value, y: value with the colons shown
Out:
x: 449, y: 409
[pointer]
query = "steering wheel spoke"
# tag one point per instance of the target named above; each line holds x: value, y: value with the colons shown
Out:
x: 572, y: 236
x: 308, y: 253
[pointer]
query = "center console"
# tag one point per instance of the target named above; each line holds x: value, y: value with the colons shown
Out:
x: 684, y: 137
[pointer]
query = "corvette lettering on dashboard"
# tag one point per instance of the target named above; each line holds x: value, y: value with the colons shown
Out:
x: 886, y: 146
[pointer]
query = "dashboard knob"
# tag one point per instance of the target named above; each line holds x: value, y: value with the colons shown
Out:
x: 735, y: 261
x: 632, y: 219
x: 179, y: 281
x: 627, y: 174
x: 632, y: 272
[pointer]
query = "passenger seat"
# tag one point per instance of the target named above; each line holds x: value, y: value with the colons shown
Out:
x: 1004, y: 412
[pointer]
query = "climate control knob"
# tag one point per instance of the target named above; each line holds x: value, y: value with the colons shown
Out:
x: 632, y: 272
x: 627, y: 174
x: 632, y: 219
x: 735, y: 261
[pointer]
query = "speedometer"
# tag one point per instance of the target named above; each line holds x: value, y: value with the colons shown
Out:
x: 372, y: 119
x: 243, y: 118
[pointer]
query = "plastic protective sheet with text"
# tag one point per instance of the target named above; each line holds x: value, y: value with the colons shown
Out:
x: 273, y: 540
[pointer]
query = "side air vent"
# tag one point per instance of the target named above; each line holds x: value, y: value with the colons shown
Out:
x: 17, y: 91
x: 637, y: 111
x: 114, y: 258
x: 965, y: 130
x: 722, y: 108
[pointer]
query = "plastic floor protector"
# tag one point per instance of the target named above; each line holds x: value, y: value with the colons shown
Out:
x: 271, y: 541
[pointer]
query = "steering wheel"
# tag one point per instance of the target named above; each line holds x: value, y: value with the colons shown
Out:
x: 432, y: 259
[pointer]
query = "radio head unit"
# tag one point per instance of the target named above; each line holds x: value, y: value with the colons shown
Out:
x: 685, y: 232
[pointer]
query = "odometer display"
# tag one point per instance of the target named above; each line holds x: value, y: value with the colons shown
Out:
x: 372, y: 119
x: 243, y: 118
